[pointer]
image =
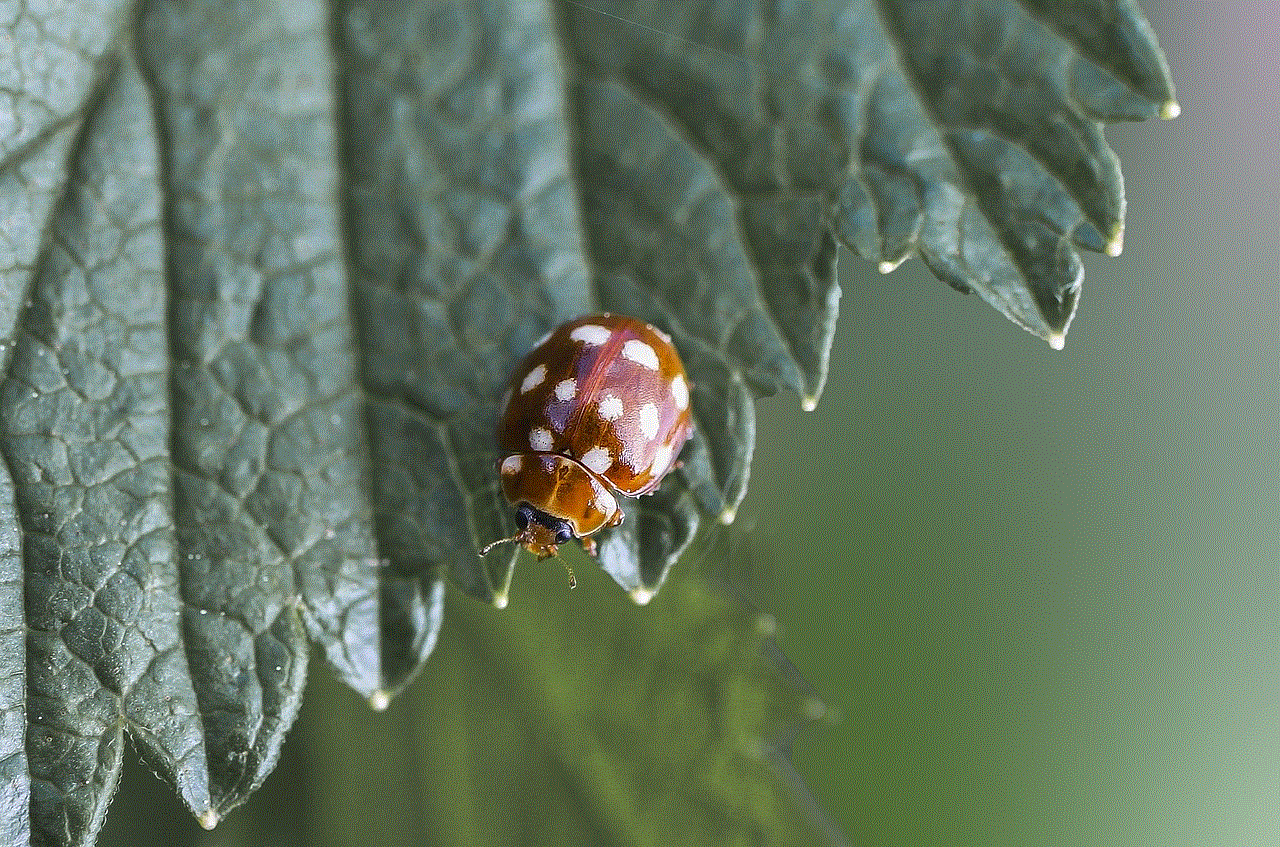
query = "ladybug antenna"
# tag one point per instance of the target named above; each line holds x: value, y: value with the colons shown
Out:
x: 486, y: 548
x: 573, y: 580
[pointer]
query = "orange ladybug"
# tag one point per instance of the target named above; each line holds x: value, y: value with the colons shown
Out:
x: 600, y: 407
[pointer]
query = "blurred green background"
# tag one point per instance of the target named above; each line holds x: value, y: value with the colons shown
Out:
x: 1038, y: 590
x: 1042, y: 588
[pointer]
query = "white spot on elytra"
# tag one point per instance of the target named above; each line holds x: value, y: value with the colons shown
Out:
x: 592, y: 335
x: 649, y: 420
x: 640, y: 353
x: 598, y: 459
x: 566, y: 389
x: 661, y: 459
x: 533, y: 379
x: 610, y: 408
x: 680, y: 392
x: 511, y: 465
x: 540, y: 439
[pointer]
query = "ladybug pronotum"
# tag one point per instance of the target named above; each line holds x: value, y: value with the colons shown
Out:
x: 600, y: 407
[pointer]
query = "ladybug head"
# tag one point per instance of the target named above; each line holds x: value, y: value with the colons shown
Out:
x: 541, y: 533
x: 556, y: 500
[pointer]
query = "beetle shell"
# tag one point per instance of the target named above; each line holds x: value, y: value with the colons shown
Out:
x: 600, y: 406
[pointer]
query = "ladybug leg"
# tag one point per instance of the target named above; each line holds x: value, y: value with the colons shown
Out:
x: 589, y: 545
x: 616, y: 519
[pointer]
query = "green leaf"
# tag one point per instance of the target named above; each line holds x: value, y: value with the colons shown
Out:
x: 86, y: 431
x: 599, y: 724
x: 464, y: 250
x: 265, y: 267
x: 965, y: 130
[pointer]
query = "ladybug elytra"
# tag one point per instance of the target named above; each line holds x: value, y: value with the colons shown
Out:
x: 600, y: 407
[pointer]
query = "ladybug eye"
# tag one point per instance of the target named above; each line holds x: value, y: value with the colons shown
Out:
x: 564, y: 535
x: 523, y: 515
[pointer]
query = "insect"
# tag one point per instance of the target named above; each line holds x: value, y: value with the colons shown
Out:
x: 599, y: 408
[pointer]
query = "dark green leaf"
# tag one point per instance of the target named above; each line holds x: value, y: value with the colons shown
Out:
x: 463, y: 232
x: 966, y: 130
x: 269, y: 498
x: 265, y: 267
x: 85, y: 419
x: 15, y: 774
x: 661, y: 528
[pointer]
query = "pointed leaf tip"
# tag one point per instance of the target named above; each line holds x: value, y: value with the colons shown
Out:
x: 1115, y: 245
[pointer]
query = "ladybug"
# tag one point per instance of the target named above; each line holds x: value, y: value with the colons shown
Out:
x: 600, y: 407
